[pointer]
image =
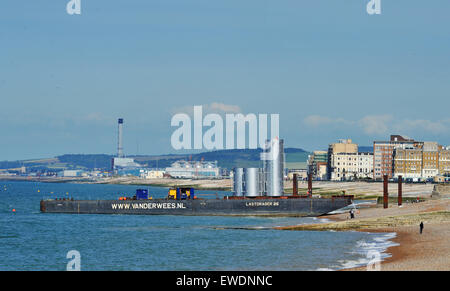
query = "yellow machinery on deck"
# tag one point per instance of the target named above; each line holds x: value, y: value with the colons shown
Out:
x: 181, y: 193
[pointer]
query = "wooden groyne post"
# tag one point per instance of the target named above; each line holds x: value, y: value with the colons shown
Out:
x: 385, y: 191
x: 295, y: 185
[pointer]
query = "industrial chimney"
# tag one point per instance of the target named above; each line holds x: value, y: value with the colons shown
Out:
x: 119, y: 144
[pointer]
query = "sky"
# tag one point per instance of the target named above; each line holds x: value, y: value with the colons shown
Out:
x: 328, y: 68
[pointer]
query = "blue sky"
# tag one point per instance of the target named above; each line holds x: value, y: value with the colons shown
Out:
x: 327, y: 67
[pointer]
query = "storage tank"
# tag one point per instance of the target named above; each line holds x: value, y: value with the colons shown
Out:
x: 252, y: 182
x: 273, y: 165
x: 238, y: 182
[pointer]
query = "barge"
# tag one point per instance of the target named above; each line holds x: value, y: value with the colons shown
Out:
x: 188, y: 204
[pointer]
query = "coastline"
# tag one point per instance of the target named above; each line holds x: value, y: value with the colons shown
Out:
x: 411, y: 251
x: 359, y: 189
x: 414, y: 251
x: 199, y: 184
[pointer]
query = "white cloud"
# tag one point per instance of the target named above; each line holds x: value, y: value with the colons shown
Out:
x: 375, y: 124
x: 434, y: 127
x: 318, y: 120
x: 383, y: 124
x: 214, y: 107
x: 223, y: 107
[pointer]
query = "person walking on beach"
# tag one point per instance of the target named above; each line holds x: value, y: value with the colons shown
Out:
x: 421, y: 227
x: 352, y: 214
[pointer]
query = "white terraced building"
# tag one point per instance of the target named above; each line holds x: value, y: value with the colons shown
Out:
x: 349, y: 166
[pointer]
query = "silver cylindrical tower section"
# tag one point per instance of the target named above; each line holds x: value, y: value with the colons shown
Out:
x: 274, y: 167
x: 119, y: 142
x: 251, y: 182
x: 238, y: 182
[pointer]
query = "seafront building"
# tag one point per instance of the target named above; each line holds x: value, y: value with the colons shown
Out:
x: 430, y: 160
x: 123, y: 163
x: 351, y: 166
x: 318, y: 164
x: 343, y: 146
x: 383, y: 154
x: 342, y: 162
x: 193, y: 169
x: 424, y: 162
x: 444, y: 161
x: 152, y: 173
x: 408, y: 163
x: 70, y: 173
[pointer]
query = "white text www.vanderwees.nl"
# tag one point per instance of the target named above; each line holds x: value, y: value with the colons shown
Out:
x: 151, y: 205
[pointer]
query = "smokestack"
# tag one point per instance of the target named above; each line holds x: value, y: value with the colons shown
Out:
x: 295, y: 186
x: 119, y: 143
x: 385, y: 191
x: 400, y: 190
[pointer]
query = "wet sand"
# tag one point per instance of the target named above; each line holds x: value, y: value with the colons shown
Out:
x: 429, y: 251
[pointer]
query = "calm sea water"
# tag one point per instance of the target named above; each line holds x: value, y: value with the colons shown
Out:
x: 30, y: 240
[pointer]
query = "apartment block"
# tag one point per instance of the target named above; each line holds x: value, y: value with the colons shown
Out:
x: 343, y: 146
x: 423, y: 162
x: 350, y: 166
x: 383, y: 154
x: 408, y: 163
x: 430, y: 160
x: 317, y: 165
x: 444, y: 161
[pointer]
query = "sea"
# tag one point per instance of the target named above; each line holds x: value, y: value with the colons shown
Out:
x: 30, y: 240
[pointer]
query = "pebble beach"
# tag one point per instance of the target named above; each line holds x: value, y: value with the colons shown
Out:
x: 429, y: 251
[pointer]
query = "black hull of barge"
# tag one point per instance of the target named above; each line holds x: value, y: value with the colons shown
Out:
x: 221, y: 207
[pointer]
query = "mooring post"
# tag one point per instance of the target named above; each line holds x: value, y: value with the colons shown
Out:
x: 310, y: 184
x: 385, y: 191
x: 295, y: 186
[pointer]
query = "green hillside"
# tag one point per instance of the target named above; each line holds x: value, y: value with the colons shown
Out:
x: 225, y: 158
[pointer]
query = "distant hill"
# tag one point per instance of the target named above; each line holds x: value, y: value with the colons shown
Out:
x: 225, y: 159
x: 87, y: 161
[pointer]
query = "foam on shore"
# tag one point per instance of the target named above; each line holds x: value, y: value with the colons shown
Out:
x: 369, y: 252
